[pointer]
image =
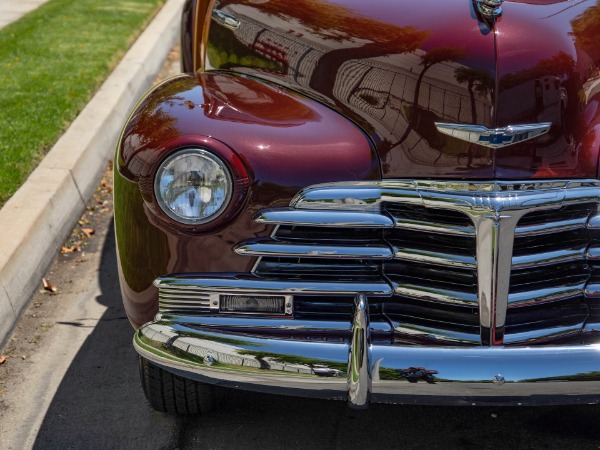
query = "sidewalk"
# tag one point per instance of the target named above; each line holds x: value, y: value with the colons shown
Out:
x: 36, y: 220
x: 12, y: 10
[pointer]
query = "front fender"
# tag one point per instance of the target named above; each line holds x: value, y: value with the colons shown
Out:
x: 280, y: 141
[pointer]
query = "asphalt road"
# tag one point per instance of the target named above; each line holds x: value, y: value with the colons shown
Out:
x: 71, y: 382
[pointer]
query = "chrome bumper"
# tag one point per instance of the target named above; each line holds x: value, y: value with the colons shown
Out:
x: 361, y: 371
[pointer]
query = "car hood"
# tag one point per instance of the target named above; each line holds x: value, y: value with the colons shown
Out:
x: 398, y: 70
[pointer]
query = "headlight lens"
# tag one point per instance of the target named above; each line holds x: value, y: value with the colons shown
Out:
x: 193, y: 186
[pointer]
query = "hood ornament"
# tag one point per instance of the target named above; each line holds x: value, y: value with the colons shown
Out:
x: 494, y: 137
x: 489, y: 8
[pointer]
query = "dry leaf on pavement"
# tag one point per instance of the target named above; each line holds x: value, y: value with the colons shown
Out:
x: 88, y: 231
x: 70, y: 249
x: 48, y: 285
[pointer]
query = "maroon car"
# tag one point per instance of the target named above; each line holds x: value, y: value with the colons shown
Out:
x: 368, y: 200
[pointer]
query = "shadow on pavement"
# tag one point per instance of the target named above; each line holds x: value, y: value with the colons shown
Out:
x: 100, y: 405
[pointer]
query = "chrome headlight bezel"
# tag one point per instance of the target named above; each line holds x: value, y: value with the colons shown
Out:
x: 167, y: 164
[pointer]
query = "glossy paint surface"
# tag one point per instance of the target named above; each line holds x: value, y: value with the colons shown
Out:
x: 395, y: 70
x: 274, y: 143
x: 548, y: 71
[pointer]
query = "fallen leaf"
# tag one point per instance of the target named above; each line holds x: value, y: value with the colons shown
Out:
x: 88, y: 231
x: 70, y: 249
x: 3, y: 358
x: 48, y: 285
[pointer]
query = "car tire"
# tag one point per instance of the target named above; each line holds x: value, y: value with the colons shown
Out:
x: 173, y: 394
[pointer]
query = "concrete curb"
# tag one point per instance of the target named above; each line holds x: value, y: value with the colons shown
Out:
x: 38, y: 218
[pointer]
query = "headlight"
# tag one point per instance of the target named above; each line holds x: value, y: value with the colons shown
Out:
x: 193, y: 186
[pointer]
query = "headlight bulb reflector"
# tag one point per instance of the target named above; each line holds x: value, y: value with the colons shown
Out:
x: 193, y: 186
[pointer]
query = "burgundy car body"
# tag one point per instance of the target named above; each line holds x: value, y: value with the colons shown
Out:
x: 324, y: 109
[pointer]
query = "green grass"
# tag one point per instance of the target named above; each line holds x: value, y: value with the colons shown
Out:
x: 51, y: 63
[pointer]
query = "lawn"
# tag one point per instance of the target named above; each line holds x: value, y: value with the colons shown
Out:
x: 51, y: 63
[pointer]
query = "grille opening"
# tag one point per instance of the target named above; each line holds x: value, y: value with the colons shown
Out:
x: 459, y: 316
x: 540, y: 321
x: 573, y: 239
x: 404, y: 326
x: 424, y: 214
x: 558, y: 214
x: 541, y: 312
x: 319, y: 269
x: 530, y: 279
x: 460, y: 245
x: 328, y: 235
x: 323, y: 308
x: 336, y: 308
x: 431, y: 276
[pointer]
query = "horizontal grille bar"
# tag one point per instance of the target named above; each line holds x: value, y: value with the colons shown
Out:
x: 432, y: 227
x: 548, y: 258
x: 436, y: 294
x: 551, y: 227
x: 550, y: 294
x: 290, y: 216
x: 436, y: 258
x: 250, y: 284
x: 431, y: 334
x: 270, y: 247
x: 171, y: 300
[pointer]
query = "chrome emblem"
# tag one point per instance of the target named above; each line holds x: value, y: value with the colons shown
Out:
x: 490, y: 8
x: 494, y: 137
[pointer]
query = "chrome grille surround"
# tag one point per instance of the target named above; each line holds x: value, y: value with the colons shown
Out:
x: 496, y: 218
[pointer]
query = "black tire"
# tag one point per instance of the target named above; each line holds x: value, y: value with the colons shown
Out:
x: 173, y: 394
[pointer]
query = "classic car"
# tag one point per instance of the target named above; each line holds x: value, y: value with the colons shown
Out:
x: 368, y: 201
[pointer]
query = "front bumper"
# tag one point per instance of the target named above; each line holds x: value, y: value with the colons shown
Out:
x: 362, y: 371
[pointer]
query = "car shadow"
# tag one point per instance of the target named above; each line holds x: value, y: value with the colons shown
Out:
x: 100, y: 405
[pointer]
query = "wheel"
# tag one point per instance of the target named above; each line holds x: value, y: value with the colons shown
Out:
x: 173, y: 394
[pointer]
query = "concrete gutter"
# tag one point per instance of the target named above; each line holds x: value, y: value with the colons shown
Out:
x: 38, y: 218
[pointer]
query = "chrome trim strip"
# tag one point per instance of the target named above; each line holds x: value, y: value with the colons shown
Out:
x: 437, y: 258
x: 548, y: 258
x: 275, y: 248
x: 257, y: 326
x: 432, y: 227
x: 543, y: 335
x: 290, y: 216
x: 464, y: 196
x: 490, y: 8
x: 551, y: 227
x: 359, y: 359
x: 242, y: 283
x: 438, y: 336
x: 279, y: 324
x: 593, y: 254
x: 436, y: 294
x: 494, y: 253
x: 546, y: 295
x: 494, y: 137
x: 429, y: 375
x: 594, y: 222
x: 225, y: 19
x: 592, y: 290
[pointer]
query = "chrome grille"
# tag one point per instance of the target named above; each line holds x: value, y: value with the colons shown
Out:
x: 178, y: 299
x: 422, y: 239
